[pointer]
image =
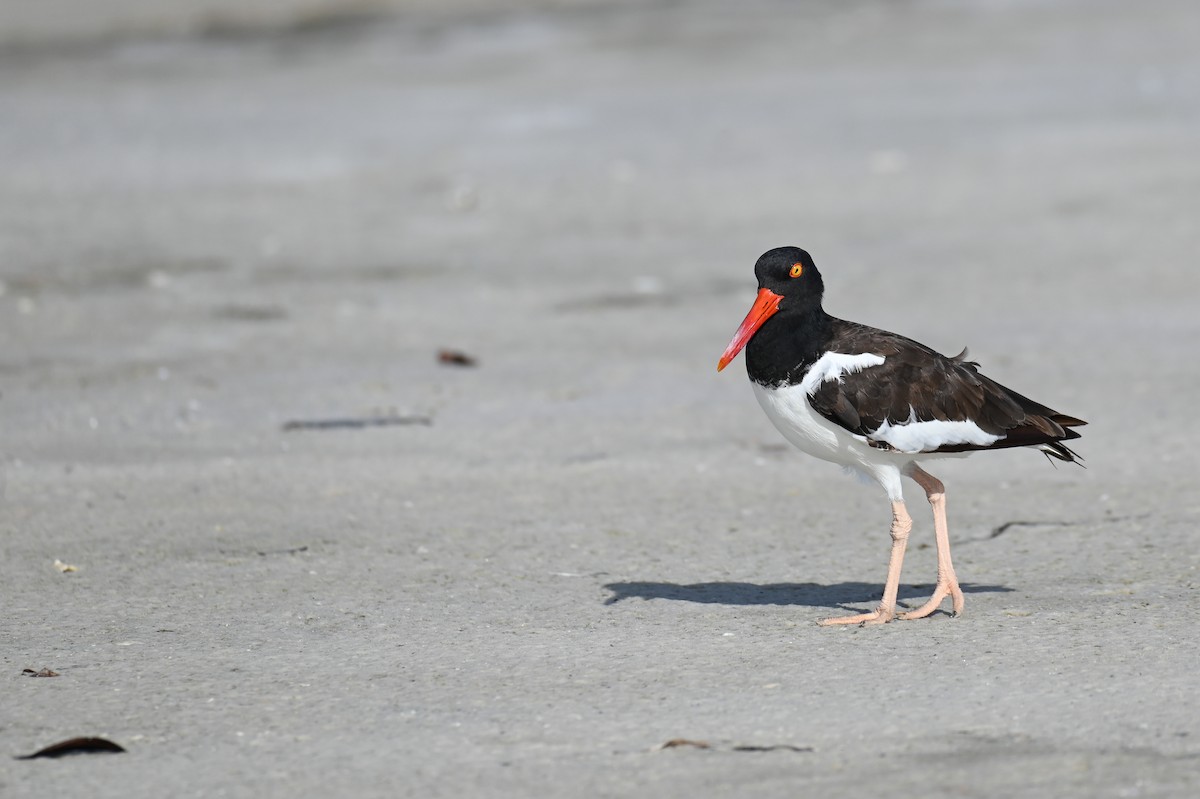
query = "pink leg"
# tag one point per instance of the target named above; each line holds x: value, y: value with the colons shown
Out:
x: 947, y: 581
x: 901, y: 526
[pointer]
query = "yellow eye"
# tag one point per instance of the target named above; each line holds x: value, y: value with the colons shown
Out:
x: 796, y: 270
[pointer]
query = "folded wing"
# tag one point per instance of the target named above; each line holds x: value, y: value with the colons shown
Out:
x: 918, y: 400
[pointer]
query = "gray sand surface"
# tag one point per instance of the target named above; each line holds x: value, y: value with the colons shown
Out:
x: 598, y: 544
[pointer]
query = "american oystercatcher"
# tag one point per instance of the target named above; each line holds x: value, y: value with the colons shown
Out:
x: 878, y: 404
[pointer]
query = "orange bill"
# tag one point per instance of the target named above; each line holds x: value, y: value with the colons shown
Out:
x: 763, y: 309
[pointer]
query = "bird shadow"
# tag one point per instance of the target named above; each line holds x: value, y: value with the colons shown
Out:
x: 834, y: 595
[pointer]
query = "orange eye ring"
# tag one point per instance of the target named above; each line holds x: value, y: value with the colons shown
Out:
x: 797, y: 270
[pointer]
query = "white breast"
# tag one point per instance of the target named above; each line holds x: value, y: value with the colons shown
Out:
x: 792, y: 414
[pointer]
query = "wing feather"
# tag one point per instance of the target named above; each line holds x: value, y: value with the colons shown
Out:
x: 916, y: 384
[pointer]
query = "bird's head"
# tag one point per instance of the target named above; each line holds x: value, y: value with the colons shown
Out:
x: 788, y: 281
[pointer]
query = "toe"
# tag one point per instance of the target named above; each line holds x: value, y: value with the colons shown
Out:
x: 880, y: 616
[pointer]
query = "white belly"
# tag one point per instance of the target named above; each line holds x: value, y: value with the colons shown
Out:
x: 789, y: 410
x: 793, y: 415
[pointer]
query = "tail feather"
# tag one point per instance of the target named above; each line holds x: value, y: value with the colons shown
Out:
x: 1059, y: 450
x: 1067, y: 421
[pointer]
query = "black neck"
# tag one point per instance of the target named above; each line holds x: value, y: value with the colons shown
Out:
x: 787, y: 344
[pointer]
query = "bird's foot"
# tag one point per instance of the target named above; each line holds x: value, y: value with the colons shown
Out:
x: 881, y: 615
x: 945, y: 588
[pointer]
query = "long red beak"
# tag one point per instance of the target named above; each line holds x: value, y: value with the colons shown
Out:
x: 763, y: 309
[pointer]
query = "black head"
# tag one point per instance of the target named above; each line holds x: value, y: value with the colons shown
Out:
x: 788, y: 285
x: 790, y: 273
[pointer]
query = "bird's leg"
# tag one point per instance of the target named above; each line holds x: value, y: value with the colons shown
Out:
x: 901, y: 526
x: 947, y: 581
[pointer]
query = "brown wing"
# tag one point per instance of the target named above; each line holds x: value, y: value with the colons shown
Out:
x: 915, y: 383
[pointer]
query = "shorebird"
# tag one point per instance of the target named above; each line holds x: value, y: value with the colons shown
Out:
x: 879, y: 404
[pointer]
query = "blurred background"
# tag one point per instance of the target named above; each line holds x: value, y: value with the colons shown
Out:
x: 220, y: 217
x: 582, y: 182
